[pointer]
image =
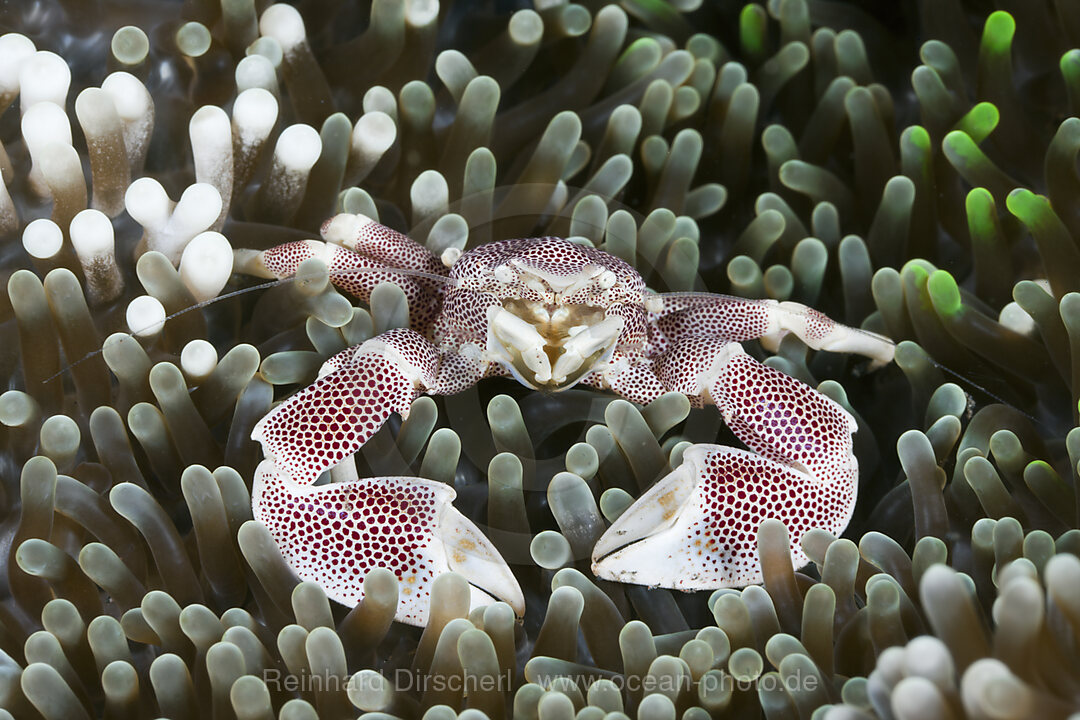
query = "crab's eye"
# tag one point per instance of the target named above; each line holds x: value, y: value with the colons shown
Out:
x: 606, y: 280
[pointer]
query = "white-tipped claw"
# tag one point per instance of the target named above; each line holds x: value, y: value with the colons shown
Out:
x: 470, y: 554
x: 404, y: 524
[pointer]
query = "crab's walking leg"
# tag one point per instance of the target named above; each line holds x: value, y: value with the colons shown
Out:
x: 335, y: 534
x: 697, y: 527
x: 363, y: 235
x: 731, y: 318
x: 350, y: 271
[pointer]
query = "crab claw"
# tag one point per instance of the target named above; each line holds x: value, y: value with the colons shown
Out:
x: 697, y: 528
x: 334, y: 534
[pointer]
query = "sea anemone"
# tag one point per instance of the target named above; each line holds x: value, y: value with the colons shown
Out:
x: 908, y: 170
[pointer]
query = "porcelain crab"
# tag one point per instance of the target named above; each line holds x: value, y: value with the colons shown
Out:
x: 550, y: 313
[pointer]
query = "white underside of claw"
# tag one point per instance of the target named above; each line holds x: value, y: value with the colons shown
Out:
x: 469, y: 553
x: 656, y: 510
x: 696, y: 528
x: 645, y: 545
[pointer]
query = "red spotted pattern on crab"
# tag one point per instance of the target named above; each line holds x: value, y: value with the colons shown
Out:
x: 347, y: 529
x: 550, y: 313
x: 335, y: 534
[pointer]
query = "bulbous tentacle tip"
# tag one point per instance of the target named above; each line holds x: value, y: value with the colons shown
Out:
x: 334, y: 535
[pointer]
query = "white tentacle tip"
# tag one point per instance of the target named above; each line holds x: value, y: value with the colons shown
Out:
x: 298, y: 148
x: 374, y: 133
x: 145, y: 316
x: 42, y: 238
x: 91, y: 224
x: 283, y: 23
x: 254, y: 112
x: 129, y: 95
x: 209, y: 127
x: 197, y: 360
x: 198, y: 207
x: 206, y: 264
x: 14, y: 50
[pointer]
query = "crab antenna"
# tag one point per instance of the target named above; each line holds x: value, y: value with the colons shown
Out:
x: 243, y: 291
x: 985, y: 391
x: 159, y: 322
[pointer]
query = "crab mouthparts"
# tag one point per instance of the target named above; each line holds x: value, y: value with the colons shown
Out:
x: 556, y: 346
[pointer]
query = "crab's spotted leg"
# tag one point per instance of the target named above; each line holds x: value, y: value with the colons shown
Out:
x: 688, y: 315
x: 363, y: 235
x: 353, y: 272
x: 697, y: 527
x: 335, y: 534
